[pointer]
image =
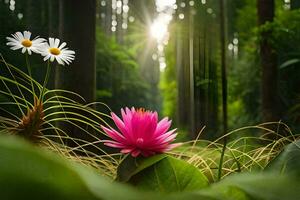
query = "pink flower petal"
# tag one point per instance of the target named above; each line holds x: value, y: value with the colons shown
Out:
x: 162, y: 126
x: 114, y: 134
x: 135, y: 153
x: 133, y: 110
x: 141, y: 133
x: 143, y: 126
x: 127, y: 150
x: 150, y: 127
x: 129, y: 112
x: 127, y: 120
x: 114, y: 144
x: 119, y: 123
x: 167, y: 137
x: 136, y: 125
x: 164, y: 147
x: 123, y: 114
x: 172, y: 146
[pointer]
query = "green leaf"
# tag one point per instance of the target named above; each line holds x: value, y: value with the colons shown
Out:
x: 261, y: 186
x: 130, y: 166
x: 254, y: 186
x: 166, y: 175
x: 28, y: 172
x: 288, y: 161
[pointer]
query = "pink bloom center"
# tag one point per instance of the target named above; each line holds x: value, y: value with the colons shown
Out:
x: 140, y: 141
x: 140, y: 133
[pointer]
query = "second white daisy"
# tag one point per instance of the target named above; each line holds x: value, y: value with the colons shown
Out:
x: 53, y: 51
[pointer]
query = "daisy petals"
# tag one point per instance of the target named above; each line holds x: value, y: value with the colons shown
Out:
x: 17, y: 41
x: 53, y: 50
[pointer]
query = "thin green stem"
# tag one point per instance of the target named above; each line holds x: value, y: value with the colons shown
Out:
x: 29, y: 73
x: 46, y: 80
x: 222, y: 159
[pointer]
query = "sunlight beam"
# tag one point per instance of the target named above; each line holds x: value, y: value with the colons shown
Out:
x: 159, y: 28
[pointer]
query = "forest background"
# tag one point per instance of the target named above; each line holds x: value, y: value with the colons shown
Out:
x: 222, y: 64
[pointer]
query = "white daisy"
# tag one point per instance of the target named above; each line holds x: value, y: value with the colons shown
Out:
x: 52, y: 51
x: 23, y: 41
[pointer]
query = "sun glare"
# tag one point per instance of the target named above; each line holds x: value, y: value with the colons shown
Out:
x: 159, y: 30
x: 162, y: 4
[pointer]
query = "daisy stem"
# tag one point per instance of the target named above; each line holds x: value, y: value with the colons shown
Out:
x: 46, y: 80
x: 29, y: 73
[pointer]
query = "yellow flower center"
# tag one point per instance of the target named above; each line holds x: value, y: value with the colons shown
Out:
x: 54, y: 51
x: 26, y: 43
x: 141, y: 110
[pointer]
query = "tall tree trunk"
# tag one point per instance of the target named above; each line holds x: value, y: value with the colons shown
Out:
x: 212, y: 96
x: 52, y: 7
x: 265, y: 11
x: 77, y: 28
x: 199, y: 70
x: 186, y: 79
x: 108, y: 17
x: 179, y: 72
x: 119, y: 32
x: 35, y: 17
x: 191, y: 63
x: 295, y: 4
x: 223, y: 63
x: 183, y: 69
x: 77, y: 21
x: 196, y: 61
x: 51, y: 19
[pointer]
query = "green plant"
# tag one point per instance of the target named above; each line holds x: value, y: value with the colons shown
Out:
x: 46, y: 121
x: 45, y: 175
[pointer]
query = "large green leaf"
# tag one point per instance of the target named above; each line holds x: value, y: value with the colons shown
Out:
x: 254, y: 186
x: 131, y: 166
x: 288, y: 161
x: 166, y: 174
x: 28, y: 172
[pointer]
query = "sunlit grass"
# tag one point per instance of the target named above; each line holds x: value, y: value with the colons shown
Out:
x: 243, y: 154
x: 105, y: 164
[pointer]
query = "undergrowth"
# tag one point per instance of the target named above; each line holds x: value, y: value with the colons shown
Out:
x: 47, y: 122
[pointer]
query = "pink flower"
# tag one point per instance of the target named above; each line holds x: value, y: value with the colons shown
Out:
x: 140, y: 133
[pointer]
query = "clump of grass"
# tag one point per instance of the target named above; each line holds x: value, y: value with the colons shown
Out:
x: 246, y: 153
x: 30, y: 124
x: 46, y: 120
x: 106, y: 164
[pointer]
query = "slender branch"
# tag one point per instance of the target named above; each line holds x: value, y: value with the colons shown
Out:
x: 46, y: 80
